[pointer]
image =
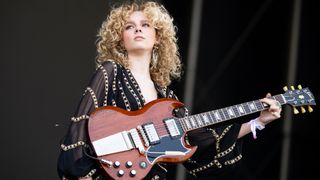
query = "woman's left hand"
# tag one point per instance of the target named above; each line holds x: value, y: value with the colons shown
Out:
x: 272, y: 113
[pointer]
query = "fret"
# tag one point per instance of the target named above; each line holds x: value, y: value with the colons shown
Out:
x: 225, y: 113
x: 198, y: 118
x: 258, y: 105
x: 217, y: 116
x: 205, y: 119
x: 280, y: 99
x: 241, y: 109
x: 252, y: 106
x: 236, y: 111
x: 188, y: 123
x: 213, y: 118
x: 202, y: 119
x: 230, y: 112
x: 221, y: 114
x: 181, y: 122
x: 184, y: 124
x: 246, y: 108
x: 193, y: 124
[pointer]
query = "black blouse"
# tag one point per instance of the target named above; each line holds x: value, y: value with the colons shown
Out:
x: 114, y: 85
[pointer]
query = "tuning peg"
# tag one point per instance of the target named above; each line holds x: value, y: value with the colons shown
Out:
x: 303, y: 110
x: 292, y: 87
x: 299, y: 86
x: 295, y: 110
x: 310, y: 109
x: 285, y: 88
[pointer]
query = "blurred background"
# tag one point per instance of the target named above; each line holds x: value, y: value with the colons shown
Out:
x: 232, y: 51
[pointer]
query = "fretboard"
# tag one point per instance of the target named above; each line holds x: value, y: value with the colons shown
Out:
x: 220, y: 115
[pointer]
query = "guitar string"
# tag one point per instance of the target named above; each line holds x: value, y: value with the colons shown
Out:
x: 163, y: 130
x: 160, y: 127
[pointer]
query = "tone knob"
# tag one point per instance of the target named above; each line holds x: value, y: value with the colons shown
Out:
x: 116, y: 164
x: 120, y: 173
x: 129, y: 164
x: 133, y: 173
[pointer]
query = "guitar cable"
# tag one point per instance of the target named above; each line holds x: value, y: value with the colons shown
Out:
x: 103, y: 161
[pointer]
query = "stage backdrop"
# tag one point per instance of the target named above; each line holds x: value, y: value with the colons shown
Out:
x: 47, y: 58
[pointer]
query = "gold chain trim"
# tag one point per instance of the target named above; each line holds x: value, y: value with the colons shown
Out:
x: 217, y: 137
x: 216, y: 162
x: 225, y: 152
x: 72, y: 146
x: 79, y: 118
x: 194, y: 171
x: 90, y: 173
x: 234, y: 160
x: 156, y: 177
x: 106, y: 84
x: 93, y: 96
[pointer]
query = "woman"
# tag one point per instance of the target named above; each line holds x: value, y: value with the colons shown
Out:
x: 137, y: 59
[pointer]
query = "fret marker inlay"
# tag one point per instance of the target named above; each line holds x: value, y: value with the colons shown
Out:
x: 216, y: 114
x: 252, y: 107
x: 230, y: 112
x: 241, y: 110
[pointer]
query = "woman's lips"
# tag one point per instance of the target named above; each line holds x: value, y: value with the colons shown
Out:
x: 139, y: 38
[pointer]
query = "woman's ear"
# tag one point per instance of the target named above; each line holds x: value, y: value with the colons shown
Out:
x: 157, y: 38
x: 156, y: 43
x: 121, y: 44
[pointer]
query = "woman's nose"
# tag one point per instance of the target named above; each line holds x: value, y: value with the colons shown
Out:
x: 138, y: 30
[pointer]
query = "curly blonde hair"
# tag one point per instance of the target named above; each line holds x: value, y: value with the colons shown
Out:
x: 165, y: 64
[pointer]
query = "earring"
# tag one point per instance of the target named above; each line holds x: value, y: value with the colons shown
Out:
x: 154, y: 58
x: 122, y: 52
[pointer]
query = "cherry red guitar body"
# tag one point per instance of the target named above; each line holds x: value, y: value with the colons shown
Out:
x: 116, y: 126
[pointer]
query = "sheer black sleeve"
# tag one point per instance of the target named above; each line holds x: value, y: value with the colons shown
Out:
x: 72, y: 161
x: 219, y: 148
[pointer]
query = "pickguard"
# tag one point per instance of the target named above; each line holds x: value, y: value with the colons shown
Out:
x: 167, y: 143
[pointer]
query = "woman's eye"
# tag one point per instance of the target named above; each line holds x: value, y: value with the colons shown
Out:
x: 129, y: 27
x: 145, y: 25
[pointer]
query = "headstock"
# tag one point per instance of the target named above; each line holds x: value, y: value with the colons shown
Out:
x: 299, y: 97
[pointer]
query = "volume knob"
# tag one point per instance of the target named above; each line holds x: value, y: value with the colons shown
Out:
x: 120, y: 173
x: 128, y: 164
x: 133, y: 173
x: 116, y: 164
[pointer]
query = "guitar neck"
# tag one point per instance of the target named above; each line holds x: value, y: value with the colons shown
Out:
x: 220, y: 115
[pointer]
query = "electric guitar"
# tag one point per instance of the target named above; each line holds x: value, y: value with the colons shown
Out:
x: 129, y: 143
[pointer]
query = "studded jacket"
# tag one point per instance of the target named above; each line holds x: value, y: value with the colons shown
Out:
x: 113, y: 85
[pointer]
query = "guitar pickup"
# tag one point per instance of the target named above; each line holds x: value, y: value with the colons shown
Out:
x: 172, y: 127
x: 151, y: 133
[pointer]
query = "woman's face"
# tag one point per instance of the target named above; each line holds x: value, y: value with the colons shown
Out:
x: 138, y: 34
